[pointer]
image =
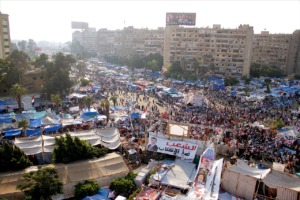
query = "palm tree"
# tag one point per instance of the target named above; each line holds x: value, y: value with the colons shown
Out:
x: 17, y: 91
x: 87, y: 100
x: 267, y: 82
x: 113, y: 99
x: 105, y: 104
x: 23, y: 124
x: 55, y: 98
x: 247, y: 90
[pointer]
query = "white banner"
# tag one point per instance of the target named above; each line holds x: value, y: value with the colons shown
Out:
x: 181, y: 149
x: 214, y: 180
x: 204, y: 173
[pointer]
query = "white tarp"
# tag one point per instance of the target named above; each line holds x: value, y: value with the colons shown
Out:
x: 181, y: 149
x: 90, y: 136
x: 30, y: 146
x: 49, y: 142
x: 180, y: 175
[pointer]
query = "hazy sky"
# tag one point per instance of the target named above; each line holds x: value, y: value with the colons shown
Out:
x: 51, y: 20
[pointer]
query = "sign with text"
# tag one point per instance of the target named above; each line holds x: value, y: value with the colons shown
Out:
x: 178, y: 130
x: 188, y: 19
x: 179, y: 148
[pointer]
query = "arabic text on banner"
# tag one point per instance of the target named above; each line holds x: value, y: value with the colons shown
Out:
x: 181, y: 149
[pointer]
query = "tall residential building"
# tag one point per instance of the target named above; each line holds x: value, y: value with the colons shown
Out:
x: 5, y: 43
x: 130, y: 41
x: 227, y: 50
x: 271, y: 49
x: 109, y: 42
x: 87, y: 38
x: 293, y: 62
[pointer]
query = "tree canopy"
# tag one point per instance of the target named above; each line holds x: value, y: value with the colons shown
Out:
x: 152, y: 62
x: 41, y: 184
x: 70, y: 149
x: 124, y: 186
x: 257, y: 70
x: 87, y: 188
x: 12, y: 158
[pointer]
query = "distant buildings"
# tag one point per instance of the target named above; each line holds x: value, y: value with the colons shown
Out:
x: 5, y: 42
x: 221, y: 51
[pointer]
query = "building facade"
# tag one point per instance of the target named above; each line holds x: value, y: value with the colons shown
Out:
x: 130, y: 41
x: 271, y: 49
x: 224, y: 51
x: 87, y: 38
x: 220, y: 51
x: 5, y: 42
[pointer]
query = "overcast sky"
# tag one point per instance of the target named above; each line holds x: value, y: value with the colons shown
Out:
x: 51, y: 20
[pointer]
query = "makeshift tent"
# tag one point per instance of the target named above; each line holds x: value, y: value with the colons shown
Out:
x: 181, y: 175
x: 13, y: 132
x: 103, y: 170
x: 49, y: 142
x: 102, y: 195
x: 67, y: 122
x: 110, y: 138
x: 148, y: 193
x: 52, y: 128
x: 30, y: 146
x: 242, y: 179
x: 31, y: 115
x: 33, y: 132
x: 88, y: 135
x: 47, y: 121
x: 288, y: 186
x: 33, y: 123
x: 5, y: 119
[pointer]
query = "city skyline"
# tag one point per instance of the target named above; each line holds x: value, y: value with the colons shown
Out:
x: 51, y: 20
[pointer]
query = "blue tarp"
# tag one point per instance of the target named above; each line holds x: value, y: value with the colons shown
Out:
x: 102, y: 195
x: 6, y: 120
x: 86, y: 118
x: 13, y: 132
x: 33, y: 132
x: 34, y: 115
x: 52, y: 128
x: 135, y: 115
x: 35, y: 123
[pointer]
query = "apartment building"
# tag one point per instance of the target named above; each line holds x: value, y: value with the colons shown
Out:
x: 109, y: 42
x: 5, y: 42
x: 87, y: 38
x: 130, y: 41
x: 293, y: 61
x: 228, y: 50
x: 271, y: 49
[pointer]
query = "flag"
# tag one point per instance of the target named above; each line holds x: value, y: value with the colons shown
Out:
x: 32, y: 100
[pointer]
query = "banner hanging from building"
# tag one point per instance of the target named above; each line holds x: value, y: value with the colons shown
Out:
x: 181, y: 149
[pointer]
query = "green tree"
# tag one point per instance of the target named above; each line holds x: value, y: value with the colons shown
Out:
x: 41, y: 184
x: 12, y: 158
x: 55, y: 98
x: 84, y: 82
x: 267, y: 83
x: 124, y: 186
x: 88, y: 188
x: 31, y: 46
x: 57, y: 73
x: 113, y: 99
x: 22, y: 45
x: 41, y: 61
x: 297, y: 76
x: 247, y: 90
x: 229, y: 81
x: 18, y: 91
x: 246, y: 79
x: 23, y: 124
x: 20, y: 61
x: 70, y: 149
x: 87, y: 101
x: 174, y: 70
x: 105, y: 104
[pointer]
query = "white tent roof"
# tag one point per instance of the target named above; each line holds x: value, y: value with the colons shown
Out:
x: 30, y: 146
x: 242, y: 168
x: 180, y: 175
x: 279, y: 179
x: 89, y: 136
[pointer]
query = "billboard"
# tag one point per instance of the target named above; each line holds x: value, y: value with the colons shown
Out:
x: 188, y: 19
x: 79, y: 25
x: 178, y: 130
x: 181, y: 149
